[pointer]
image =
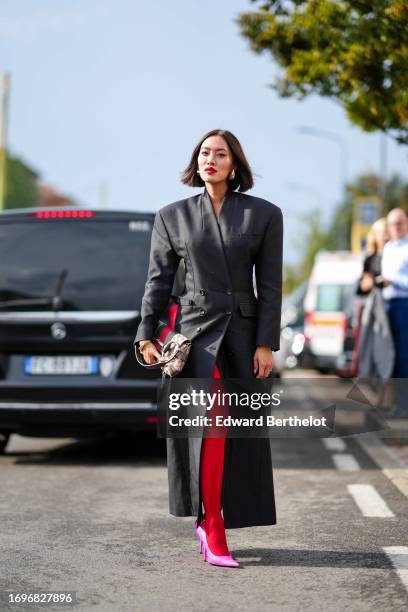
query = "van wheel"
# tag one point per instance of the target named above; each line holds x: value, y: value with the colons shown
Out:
x: 4, y: 438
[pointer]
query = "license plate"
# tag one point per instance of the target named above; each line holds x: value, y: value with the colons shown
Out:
x: 61, y: 364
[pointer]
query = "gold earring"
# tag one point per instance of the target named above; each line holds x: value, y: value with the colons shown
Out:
x: 198, y: 172
x: 232, y: 175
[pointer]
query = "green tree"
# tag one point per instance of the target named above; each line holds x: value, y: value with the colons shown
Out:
x: 21, y: 184
x: 354, y: 52
x: 396, y: 194
x: 337, y: 235
x: 312, y: 239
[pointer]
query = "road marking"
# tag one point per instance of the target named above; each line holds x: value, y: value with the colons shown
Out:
x: 334, y: 444
x: 398, y: 556
x: 369, y: 501
x: 392, y: 467
x: 345, y: 462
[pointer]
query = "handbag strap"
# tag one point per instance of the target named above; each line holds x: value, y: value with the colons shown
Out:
x: 162, y: 362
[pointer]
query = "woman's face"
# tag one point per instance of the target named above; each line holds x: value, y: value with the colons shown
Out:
x: 215, y: 160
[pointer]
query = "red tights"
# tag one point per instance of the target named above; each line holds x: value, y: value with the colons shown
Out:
x: 211, y: 467
x: 211, y: 474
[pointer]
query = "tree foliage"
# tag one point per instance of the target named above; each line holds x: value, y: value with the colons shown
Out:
x: 308, y: 242
x: 352, y: 51
x: 337, y: 236
x: 21, y: 184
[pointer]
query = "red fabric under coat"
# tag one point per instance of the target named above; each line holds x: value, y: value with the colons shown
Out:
x: 211, y: 475
x: 211, y: 462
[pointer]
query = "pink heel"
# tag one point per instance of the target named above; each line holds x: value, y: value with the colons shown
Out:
x: 199, y: 530
x: 223, y: 560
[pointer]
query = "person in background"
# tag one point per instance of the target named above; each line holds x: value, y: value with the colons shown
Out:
x: 394, y: 269
x: 376, y: 239
x: 371, y: 277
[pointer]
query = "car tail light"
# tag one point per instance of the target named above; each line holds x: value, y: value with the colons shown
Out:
x: 344, y: 326
x: 308, y: 321
x: 64, y: 214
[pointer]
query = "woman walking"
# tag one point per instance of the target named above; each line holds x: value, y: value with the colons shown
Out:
x: 218, y: 235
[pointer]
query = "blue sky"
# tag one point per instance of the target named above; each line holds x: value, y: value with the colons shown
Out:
x: 117, y: 92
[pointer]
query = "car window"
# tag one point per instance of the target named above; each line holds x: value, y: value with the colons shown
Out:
x: 333, y: 297
x: 106, y: 262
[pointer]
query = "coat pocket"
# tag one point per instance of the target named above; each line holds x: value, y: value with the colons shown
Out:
x: 248, y: 309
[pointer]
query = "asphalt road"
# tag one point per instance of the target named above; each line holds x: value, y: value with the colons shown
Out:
x: 92, y: 517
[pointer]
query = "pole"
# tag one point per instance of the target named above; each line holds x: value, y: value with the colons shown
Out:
x: 3, y: 138
x: 383, y: 174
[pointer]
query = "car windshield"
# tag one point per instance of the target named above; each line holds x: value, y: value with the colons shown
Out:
x: 105, y: 261
x: 334, y: 297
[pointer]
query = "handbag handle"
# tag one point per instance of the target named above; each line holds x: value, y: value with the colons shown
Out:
x: 162, y: 362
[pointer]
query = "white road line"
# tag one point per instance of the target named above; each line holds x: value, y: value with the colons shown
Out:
x: 392, y: 467
x: 345, y: 462
x: 334, y: 444
x: 398, y: 556
x: 369, y: 500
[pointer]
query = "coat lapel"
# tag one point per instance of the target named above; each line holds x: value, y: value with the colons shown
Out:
x: 217, y: 230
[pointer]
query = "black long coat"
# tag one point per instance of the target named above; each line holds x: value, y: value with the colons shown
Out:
x: 218, y: 309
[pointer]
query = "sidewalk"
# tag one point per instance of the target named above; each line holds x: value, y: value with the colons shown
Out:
x: 398, y: 447
x: 396, y: 439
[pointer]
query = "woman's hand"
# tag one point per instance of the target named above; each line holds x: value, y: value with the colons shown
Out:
x: 149, y: 351
x: 367, y: 282
x: 263, y: 361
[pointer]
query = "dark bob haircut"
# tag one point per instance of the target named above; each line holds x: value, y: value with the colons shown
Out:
x: 243, y: 174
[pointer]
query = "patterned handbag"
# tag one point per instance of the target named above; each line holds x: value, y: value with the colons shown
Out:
x: 174, y: 354
x: 174, y: 347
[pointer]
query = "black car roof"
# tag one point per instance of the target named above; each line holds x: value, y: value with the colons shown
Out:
x: 98, y: 213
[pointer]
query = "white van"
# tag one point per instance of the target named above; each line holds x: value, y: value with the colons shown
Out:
x: 328, y: 307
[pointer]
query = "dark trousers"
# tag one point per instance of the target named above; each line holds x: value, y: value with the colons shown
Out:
x: 397, y: 311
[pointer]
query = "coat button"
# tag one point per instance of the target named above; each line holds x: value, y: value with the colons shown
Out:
x: 198, y: 329
x: 202, y: 312
x: 228, y: 292
x: 228, y: 312
x: 202, y: 292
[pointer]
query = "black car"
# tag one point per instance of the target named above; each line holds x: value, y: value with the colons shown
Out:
x: 295, y: 350
x: 71, y: 286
